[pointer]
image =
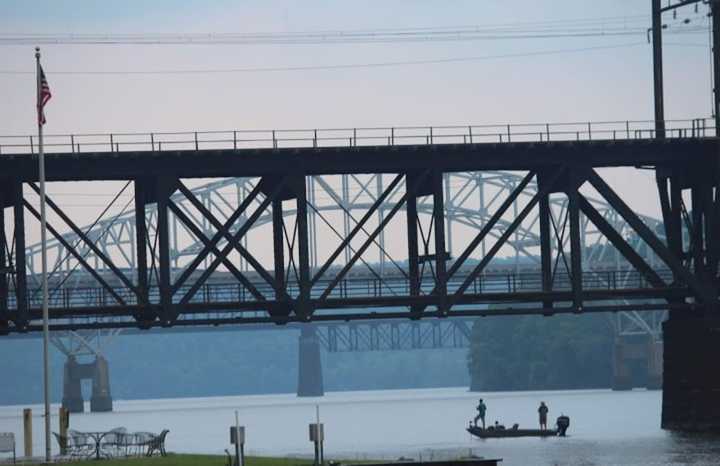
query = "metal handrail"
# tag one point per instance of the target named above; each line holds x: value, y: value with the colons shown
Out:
x: 495, y: 282
x: 354, y: 137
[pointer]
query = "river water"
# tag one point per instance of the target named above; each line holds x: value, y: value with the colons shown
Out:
x: 607, y: 428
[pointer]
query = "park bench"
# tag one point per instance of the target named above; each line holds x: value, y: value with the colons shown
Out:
x: 7, y: 444
x: 157, y: 444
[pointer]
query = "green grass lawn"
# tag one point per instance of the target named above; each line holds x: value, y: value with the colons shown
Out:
x: 199, y: 460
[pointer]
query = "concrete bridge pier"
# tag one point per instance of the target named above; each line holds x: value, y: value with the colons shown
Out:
x: 101, y: 400
x: 72, y: 390
x: 73, y: 375
x: 310, y: 379
x: 691, y: 377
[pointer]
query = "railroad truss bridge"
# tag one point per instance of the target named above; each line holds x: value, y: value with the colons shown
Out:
x: 317, y: 227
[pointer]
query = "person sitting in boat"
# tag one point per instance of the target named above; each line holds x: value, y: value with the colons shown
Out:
x: 499, y: 426
x: 481, y: 409
x: 563, y: 422
x: 543, y: 412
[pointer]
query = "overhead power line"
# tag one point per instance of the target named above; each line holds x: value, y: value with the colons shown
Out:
x: 330, y: 67
x: 600, y: 27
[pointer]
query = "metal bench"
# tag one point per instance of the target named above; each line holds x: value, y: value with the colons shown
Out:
x: 157, y: 444
x: 7, y: 444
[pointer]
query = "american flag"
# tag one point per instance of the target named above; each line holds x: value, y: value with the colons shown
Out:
x: 43, y: 96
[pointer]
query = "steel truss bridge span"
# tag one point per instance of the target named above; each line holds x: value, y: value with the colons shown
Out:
x: 543, y: 212
x: 117, y: 233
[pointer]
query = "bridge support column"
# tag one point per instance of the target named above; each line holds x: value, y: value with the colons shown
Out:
x: 72, y: 393
x: 101, y: 400
x: 310, y: 379
x: 74, y: 373
x: 691, y: 380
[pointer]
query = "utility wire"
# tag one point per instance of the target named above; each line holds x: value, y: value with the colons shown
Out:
x: 624, y: 20
x: 634, y: 25
x: 333, y: 67
x: 450, y: 36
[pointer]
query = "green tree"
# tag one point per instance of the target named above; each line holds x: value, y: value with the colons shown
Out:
x: 541, y: 353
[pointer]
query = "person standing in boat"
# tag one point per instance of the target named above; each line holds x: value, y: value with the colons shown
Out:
x: 543, y: 412
x: 481, y: 409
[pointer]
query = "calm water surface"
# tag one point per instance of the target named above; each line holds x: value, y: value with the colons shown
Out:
x: 608, y: 428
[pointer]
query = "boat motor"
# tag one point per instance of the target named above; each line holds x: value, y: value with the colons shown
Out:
x: 563, y: 422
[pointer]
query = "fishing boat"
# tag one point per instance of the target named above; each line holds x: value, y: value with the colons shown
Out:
x: 510, y: 433
x: 563, y: 423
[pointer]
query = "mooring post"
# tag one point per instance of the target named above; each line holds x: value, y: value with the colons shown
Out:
x: 27, y: 433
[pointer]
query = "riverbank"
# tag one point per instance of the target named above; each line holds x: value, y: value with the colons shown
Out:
x: 199, y: 460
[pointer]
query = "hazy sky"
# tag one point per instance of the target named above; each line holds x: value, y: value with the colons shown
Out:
x: 593, y: 85
x: 590, y: 85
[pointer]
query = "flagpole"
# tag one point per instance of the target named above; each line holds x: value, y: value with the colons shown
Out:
x: 43, y: 241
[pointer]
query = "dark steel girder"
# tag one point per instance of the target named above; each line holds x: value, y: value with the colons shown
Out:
x: 508, y: 231
x: 21, y: 317
x: 225, y: 261
x: 441, y: 255
x: 141, y: 245
x: 372, y: 316
x: 226, y: 234
x: 674, y: 262
x: 80, y: 234
x: 620, y: 244
x: 523, y: 156
x: 236, y: 237
x: 217, y: 237
x: 575, y: 248
x: 77, y: 256
x: 487, y: 228
x: 4, y: 268
x: 381, y: 304
x: 371, y: 237
x: 358, y: 227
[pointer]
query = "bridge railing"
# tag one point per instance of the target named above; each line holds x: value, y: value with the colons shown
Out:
x: 371, y: 287
x: 354, y: 137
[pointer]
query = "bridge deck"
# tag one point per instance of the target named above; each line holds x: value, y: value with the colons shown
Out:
x: 210, y: 163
